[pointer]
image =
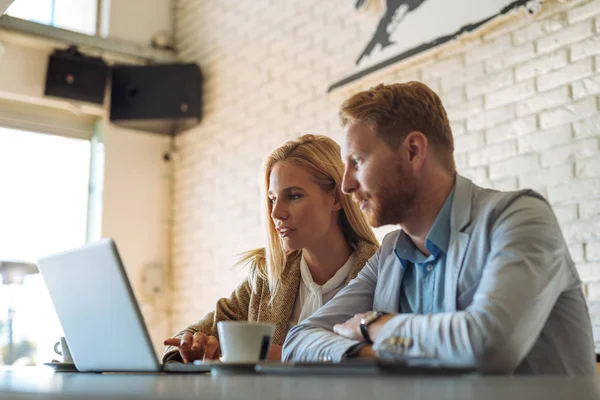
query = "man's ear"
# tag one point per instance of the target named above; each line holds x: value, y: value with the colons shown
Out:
x: 416, y: 145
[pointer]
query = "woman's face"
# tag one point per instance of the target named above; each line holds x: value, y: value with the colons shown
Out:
x: 302, y: 212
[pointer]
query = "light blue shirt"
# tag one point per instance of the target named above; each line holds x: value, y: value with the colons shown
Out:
x: 422, y: 289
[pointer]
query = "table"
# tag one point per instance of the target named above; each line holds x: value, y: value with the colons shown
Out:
x: 43, y: 383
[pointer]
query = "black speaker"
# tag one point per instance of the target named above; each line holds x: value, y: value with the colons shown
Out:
x: 164, y: 98
x: 72, y: 75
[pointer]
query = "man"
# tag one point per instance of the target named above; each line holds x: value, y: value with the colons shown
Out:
x: 475, y: 277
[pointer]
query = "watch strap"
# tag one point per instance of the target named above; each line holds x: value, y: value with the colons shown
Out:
x: 368, y: 320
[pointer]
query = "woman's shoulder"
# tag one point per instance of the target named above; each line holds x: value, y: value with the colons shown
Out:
x: 365, y: 249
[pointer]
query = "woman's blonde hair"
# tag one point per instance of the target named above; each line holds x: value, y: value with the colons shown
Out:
x: 320, y: 156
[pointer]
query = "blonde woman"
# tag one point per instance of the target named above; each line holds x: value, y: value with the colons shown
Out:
x: 318, y: 241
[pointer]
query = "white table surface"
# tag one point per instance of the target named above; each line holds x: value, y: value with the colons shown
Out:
x: 43, y: 383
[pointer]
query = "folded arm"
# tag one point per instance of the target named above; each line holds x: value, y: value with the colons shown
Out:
x: 313, y: 339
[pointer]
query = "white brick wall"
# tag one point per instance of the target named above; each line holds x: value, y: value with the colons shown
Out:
x: 523, y: 104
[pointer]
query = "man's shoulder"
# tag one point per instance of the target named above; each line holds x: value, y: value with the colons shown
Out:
x: 488, y: 205
x: 389, y: 241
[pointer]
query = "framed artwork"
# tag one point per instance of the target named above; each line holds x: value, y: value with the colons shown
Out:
x: 409, y: 27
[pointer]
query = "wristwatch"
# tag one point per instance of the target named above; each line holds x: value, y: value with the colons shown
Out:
x: 367, y: 320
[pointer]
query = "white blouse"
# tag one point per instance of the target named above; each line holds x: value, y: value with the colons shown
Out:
x: 312, y: 296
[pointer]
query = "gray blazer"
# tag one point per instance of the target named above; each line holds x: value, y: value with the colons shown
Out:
x: 513, y: 297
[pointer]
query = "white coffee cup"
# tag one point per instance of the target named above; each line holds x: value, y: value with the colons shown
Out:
x: 64, y: 350
x: 244, y: 342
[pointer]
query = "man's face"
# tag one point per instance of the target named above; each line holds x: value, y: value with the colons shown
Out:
x: 379, y: 178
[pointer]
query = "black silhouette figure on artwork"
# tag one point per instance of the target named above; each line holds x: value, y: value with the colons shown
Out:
x: 395, y: 12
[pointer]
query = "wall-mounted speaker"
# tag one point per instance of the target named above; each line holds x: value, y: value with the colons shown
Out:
x: 72, y: 75
x: 164, y: 98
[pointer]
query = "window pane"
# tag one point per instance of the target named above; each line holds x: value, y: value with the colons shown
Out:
x: 32, y: 10
x: 43, y: 209
x: 76, y: 15
x: 44, y: 188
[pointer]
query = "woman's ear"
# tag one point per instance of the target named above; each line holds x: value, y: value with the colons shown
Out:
x: 337, y: 205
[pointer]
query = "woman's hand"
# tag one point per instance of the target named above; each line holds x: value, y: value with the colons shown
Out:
x: 197, y: 346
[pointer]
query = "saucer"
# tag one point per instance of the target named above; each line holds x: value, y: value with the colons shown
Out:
x: 225, y: 364
x: 225, y: 368
x: 61, y: 367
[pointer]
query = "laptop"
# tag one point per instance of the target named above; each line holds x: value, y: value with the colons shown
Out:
x: 97, y: 309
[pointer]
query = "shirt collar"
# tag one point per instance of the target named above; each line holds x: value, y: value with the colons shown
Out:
x: 333, y: 283
x: 437, y: 239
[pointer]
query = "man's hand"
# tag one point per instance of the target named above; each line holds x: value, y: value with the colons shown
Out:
x: 367, y: 352
x: 351, y: 328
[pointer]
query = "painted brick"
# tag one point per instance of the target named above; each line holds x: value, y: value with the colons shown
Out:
x: 461, y: 46
x: 544, y: 101
x: 564, y: 37
x: 566, y: 214
x: 516, y: 55
x: 589, y: 209
x: 453, y: 81
x: 586, y: 87
x: 542, y: 140
x: 551, y: 177
x: 458, y: 128
x: 461, y: 160
x: 581, y: 231
x: 489, y: 83
x: 491, y: 118
x: 468, y: 142
x: 541, y: 65
x: 588, y: 127
x: 592, y: 251
x: 589, y: 272
x: 492, y: 153
x: 464, y: 110
x: 577, y: 253
x: 510, y: 94
x: 454, y: 97
x: 487, y: 50
x: 443, y: 67
x: 568, y: 74
x: 511, y: 130
x: 519, y: 165
x: 539, y: 29
x: 594, y: 308
x: 568, y: 113
x: 477, y: 174
x: 588, y: 168
x: 593, y: 295
x: 583, y: 12
x: 505, y: 184
x: 587, y: 48
x: 570, y: 153
x: 576, y: 190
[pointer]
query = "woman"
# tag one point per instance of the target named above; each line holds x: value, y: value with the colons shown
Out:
x: 318, y: 241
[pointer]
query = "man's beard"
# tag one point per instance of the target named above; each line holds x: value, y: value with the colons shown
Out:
x: 393, y: 199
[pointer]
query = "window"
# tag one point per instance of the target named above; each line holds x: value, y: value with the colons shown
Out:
x: 44, y: 181
x: 75, y: 15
